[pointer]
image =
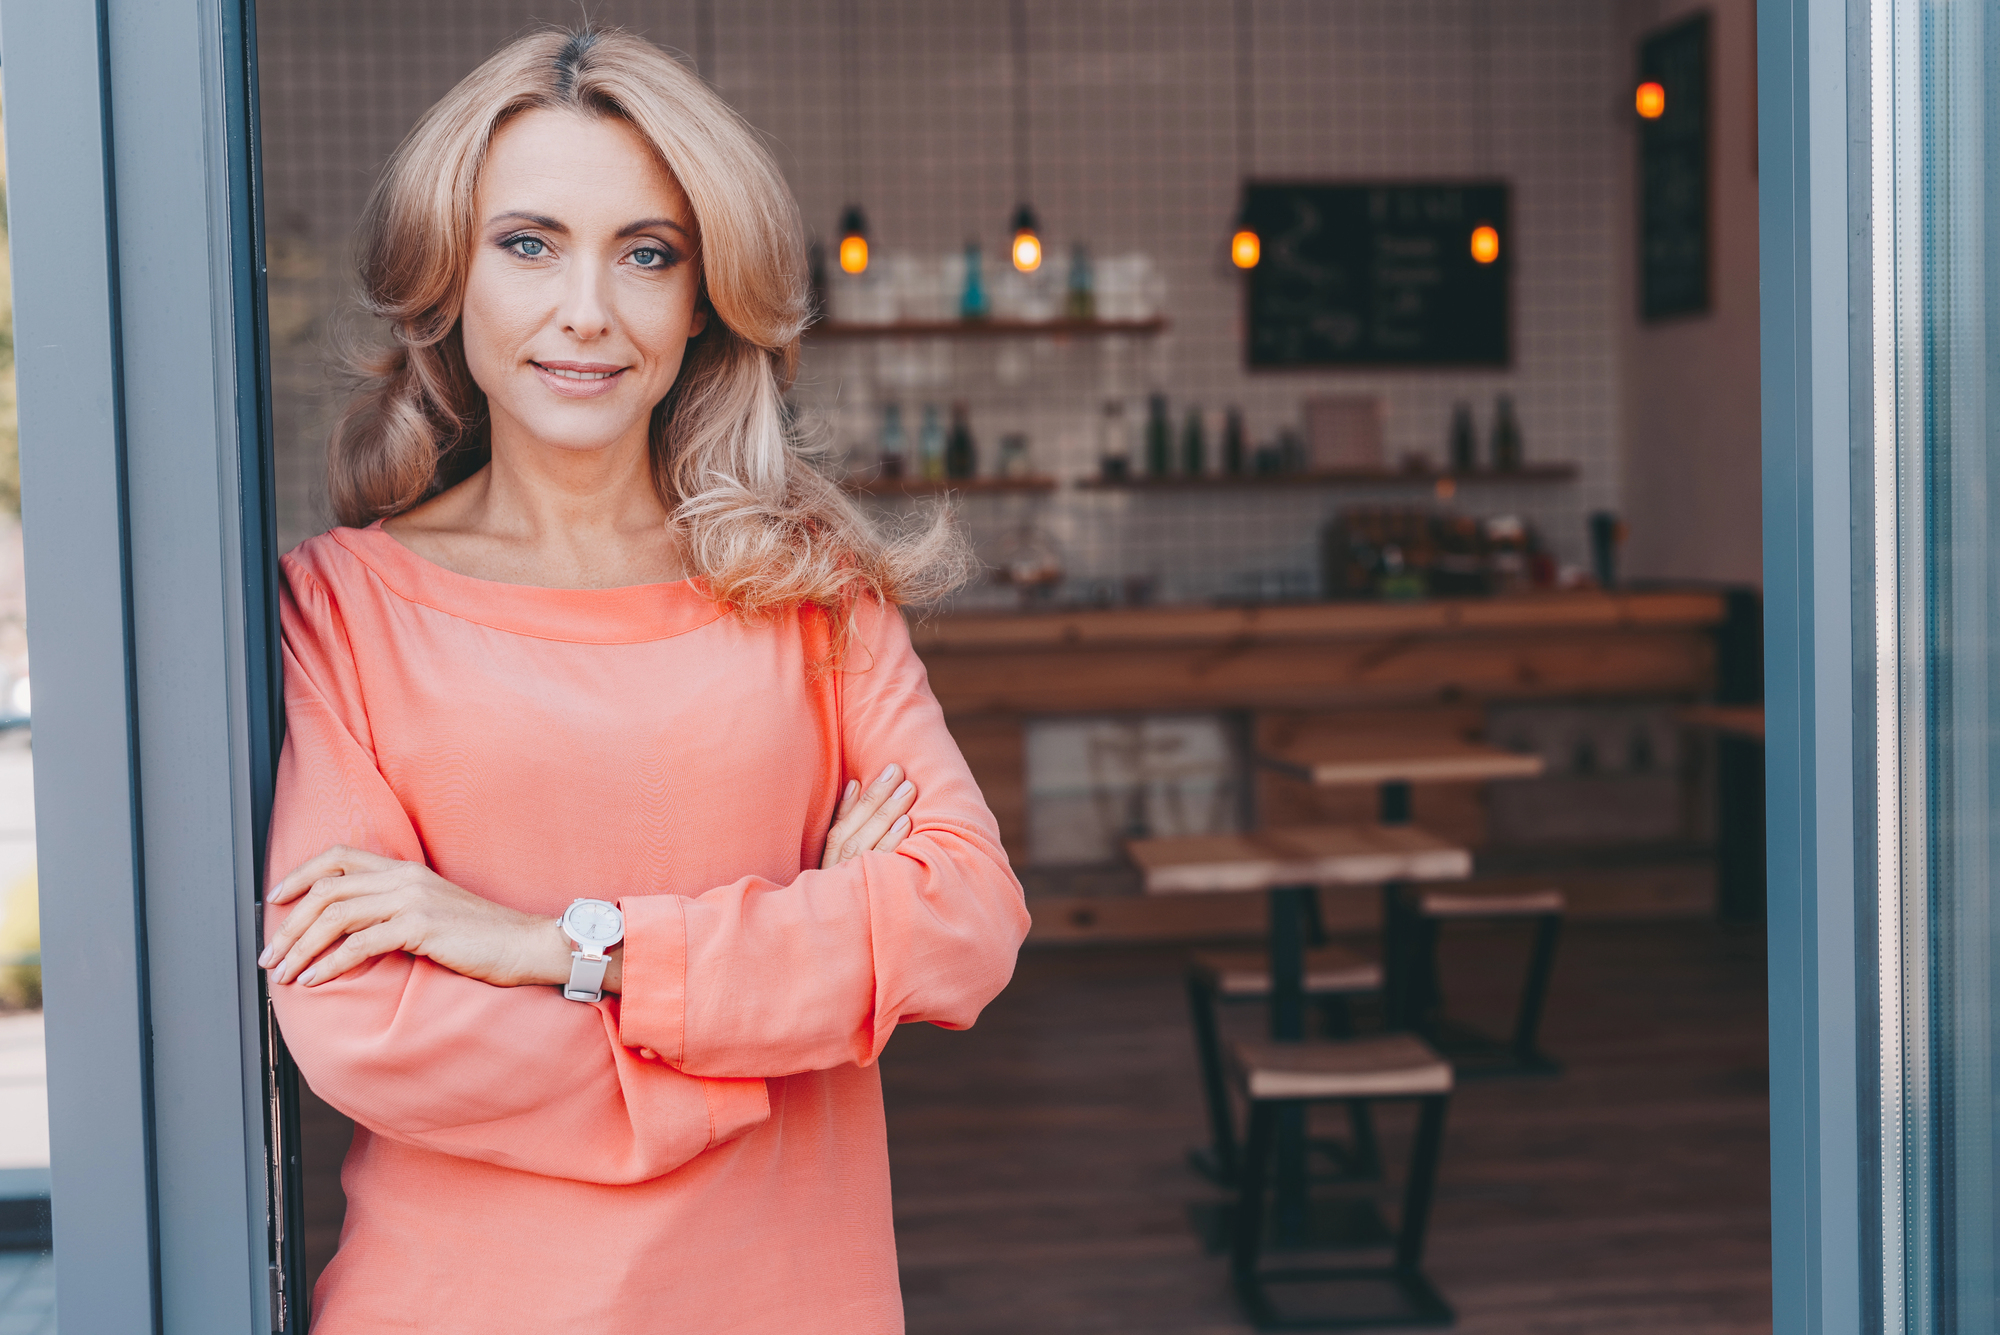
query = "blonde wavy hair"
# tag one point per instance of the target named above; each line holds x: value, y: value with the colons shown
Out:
x: 758, y: 522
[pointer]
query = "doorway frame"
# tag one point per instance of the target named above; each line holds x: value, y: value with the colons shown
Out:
x: 1812, y: 79
x: 151, y: 559
x: 150, y: 547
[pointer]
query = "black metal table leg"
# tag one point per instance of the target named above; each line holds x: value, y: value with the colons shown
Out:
x: 1289, y: 906
x: 1395, y: 802
x: 1397, y: 980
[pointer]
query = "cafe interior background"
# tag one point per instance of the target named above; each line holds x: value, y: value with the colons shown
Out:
x: 1328, y: 565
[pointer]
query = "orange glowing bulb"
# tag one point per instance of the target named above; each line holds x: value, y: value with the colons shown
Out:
x: 1650, y: 100
x: 854, y: 254
x: 1027, y: 252
x: 1245, y: 249
x: 1485, y: 244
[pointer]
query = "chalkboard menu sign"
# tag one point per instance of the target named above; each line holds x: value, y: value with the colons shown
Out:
x: 1673, y: 174
x: 1402, y: 274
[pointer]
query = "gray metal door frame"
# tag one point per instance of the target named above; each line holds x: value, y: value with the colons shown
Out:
x: 148, y: 523
x: 130, y: 135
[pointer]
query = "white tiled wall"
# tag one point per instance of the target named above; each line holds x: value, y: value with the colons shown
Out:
x: 1133, y: 149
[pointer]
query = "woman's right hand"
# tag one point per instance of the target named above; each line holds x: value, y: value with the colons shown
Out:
x: 870, y: 820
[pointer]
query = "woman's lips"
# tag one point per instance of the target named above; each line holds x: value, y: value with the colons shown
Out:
x: 579, y: 380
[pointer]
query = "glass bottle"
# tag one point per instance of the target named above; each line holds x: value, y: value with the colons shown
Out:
x: 961, y: 452
x: 1114, y: 446
x: 1080, y: 298
x: 1464, y: 452
x: 1506, y: 436
x: 1159, y: 438
x: 1234, y: 449
x: 930, y: 445
x: 894, y: 443
x: 1194, y: 444
x: 972, y: 302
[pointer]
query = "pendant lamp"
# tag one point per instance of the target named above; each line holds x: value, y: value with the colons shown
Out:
x: 853, y: 223
x: 1026, y: 250
x: 1246, y: 247
x: 853, y: 240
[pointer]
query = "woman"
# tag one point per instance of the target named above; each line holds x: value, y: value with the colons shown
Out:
x: 571, y: 701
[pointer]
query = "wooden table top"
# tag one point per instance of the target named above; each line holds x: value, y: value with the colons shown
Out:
x: 1361, y: 759
x: 1741, y: 720
x: 1308, y: 855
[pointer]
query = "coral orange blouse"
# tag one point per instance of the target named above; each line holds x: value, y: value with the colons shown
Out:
x: 706, y: 1153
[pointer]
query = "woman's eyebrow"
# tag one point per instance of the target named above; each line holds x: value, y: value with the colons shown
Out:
x: 539, y: 220
x: 648, y: 225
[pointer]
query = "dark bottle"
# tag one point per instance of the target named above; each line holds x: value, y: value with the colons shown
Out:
x: 1291, y: 451
x: 1233, y: 447
x: 1464, y: 440
x: 1506, y: 436
x: 894, y: 444
x: 1194, y: 444
x: 961, y: 453
x: 1159, y: 438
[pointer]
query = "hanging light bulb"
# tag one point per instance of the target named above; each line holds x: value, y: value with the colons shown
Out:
x: 853, y: 241
x: 1650, y: 101
x: 1245, y: 247
x: 1485, y: 243
x: 1027, y: 240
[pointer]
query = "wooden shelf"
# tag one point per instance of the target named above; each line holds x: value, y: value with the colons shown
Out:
x: 1344, y: 477
x: 987, y: 328
x: 916, y: 486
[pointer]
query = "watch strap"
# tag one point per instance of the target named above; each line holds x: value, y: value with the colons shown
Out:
x: 586, y: 976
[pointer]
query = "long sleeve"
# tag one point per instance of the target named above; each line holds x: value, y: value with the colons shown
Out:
x: 759, y: 978
x: 513, y: 1076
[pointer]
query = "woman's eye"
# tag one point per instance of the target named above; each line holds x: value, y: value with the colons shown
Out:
x: 650, y: 257
x: 527, y: 247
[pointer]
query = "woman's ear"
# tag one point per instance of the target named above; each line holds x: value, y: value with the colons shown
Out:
x: 700, y: 320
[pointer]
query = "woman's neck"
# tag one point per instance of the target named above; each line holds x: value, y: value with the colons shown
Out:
x: 550, y: 517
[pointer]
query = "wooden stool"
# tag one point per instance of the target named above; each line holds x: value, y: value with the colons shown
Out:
x: 1276, y: 1077
x: 1290, y: 866
x: 1332, y: 975
x: 1418, y: 1000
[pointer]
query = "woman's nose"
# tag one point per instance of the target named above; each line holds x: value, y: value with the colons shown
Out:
x: 586, y: 311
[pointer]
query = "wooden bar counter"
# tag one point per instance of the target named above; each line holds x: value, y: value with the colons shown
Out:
x: 1323, y: 655
x: 1430, y: 665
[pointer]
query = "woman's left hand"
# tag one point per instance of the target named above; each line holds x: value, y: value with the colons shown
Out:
x: 352, y: 906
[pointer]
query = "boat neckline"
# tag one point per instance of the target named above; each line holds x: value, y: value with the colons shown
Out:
x: 628, y: 614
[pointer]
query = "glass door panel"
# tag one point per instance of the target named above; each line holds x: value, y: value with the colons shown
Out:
x: 1932, y: 102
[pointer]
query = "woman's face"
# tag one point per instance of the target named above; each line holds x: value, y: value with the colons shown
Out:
x: 583, y: 288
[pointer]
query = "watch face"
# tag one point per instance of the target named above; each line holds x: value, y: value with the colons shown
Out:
x: 594, y: 922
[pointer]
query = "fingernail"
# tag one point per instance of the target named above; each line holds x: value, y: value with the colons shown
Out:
x: 901, y: 827
x: 308, y: 976
x: 889, y: 774
x: 905, y: 790
x: 264, y: 960
x: 847, y: 793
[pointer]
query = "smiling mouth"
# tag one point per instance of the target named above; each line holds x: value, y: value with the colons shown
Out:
x: 571, y: 373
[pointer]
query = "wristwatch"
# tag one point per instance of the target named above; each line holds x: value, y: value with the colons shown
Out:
x: 593, y: 926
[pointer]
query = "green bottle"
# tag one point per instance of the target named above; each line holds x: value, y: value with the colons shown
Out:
x: 1159, y: 438
x: 1194, y: 444
x: 930, y: 446
x: 972, y: 304
x: 1080, y: 300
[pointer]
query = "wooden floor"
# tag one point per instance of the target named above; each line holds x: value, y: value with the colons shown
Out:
x: 1040, y: 1181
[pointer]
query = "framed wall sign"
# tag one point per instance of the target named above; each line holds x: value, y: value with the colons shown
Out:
x: 1379, y: 274
x: 1673, y: 174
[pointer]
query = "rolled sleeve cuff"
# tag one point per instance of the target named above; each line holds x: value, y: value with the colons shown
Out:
x: 652, y: 1006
